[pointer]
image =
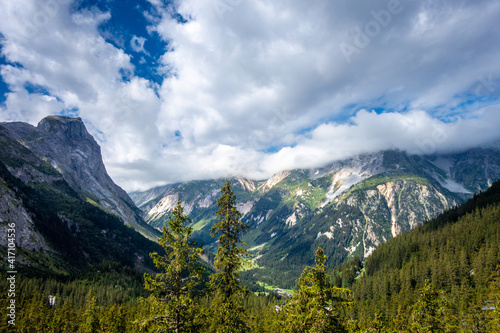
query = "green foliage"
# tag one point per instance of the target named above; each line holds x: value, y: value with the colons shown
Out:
x: 180, y: 273
x: 457, y: 253
x: 229, y: 228
x: 80, y: 233
x: 90, y: 316
x: 101, y: 298
x: 441, y: 277
x: 228, y: 262
x: 492, y: 306
x: 345, y: 274
x: 317, y: 306
x: 372, y: 182
x: 431, y: 312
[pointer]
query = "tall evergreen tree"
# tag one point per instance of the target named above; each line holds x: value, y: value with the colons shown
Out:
x: 317, y: 305
x: 431, y: 312
x: 492, y: 308
x: 91, y: 315
x: 172, y: 288
x: 228, y: 262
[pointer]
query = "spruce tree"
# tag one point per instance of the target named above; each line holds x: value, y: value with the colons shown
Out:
x: 172, y: 288
x: 431, y: 312
x: 318, y: 304
x: 492, y: 307
x: 228, y: 261
x: 91, y: 315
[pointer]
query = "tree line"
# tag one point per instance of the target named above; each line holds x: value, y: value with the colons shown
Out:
x: 441, y: 277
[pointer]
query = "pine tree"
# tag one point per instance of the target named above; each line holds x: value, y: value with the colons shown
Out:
x: 318, y: 304
x: 172, y: 288
x: 431, y: 312
x: 91, y: 315
x: 228, y: 262
x: 492, y: 308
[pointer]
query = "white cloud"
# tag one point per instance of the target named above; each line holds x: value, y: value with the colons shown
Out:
x: 415, y: 132
x: 250, y: 76
x: 69, y: 58
x: 137, y: 44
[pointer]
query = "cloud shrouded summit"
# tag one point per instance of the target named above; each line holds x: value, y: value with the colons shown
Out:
x: 197, y: 89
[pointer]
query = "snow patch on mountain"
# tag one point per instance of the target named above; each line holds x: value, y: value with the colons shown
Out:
x: 446, y: 164
x: 342, y: 182
x: 351, y: 172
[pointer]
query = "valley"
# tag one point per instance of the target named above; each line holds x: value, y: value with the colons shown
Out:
x: 349, y: 207
x: 382, y: 230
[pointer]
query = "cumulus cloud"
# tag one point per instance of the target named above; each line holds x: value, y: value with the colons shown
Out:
x: 252, y: 87
x: 79, y: 71
x: 415, y: 132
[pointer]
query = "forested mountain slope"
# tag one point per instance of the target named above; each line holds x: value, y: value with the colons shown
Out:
x: 458, y: 253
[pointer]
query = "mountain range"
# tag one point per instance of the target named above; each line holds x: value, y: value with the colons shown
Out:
x: 349, y: 207
x: 69, y: 212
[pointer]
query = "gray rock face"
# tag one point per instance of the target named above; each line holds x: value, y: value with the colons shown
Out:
x: 12, y: 211
x: 66, y: 145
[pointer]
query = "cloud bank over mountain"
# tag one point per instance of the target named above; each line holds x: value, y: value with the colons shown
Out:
x: 190, y: 89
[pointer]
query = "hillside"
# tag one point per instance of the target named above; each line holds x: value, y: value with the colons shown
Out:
x: 458, y: 253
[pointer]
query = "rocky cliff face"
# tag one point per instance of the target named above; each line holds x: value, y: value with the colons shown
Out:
x: 65, y: 144
x: 349, y: 207
x: 66, y: 211
x: 11, y: 209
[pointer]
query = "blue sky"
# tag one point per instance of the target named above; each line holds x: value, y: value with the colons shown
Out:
x: 198, y: 89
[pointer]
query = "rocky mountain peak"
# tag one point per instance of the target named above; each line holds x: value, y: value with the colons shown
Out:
x: 70, y: 128
x: 65, y: 143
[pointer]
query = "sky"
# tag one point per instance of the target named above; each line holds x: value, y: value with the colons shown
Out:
x: 197, y: 89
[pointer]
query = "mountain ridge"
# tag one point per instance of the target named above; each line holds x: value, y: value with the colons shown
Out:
x: 66, y: 210
x: 66, y: 145
x: 348, y: 206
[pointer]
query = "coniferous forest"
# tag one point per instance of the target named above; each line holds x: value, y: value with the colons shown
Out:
x: 441, y: 277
